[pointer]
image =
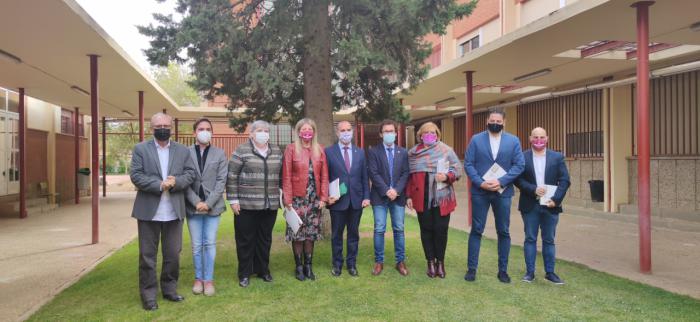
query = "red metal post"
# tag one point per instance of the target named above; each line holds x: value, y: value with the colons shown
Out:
x: 94, y: 115
x: 643, y: 159
x: 177, y: 129
x: 76, y: 162
x: 357, y: 135
x: 469, y: 126
x: 399, y: 136
x: 22, y: 156
x: 104, y: 157
x: 140, y: 116
x: 362, y: 135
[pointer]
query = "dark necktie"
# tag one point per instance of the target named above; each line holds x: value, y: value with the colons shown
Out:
x: 347, y: 158
x: 391, y: 166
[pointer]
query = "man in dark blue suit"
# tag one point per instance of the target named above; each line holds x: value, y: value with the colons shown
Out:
x: 388, y: 170
x: 543, y: 168
x: 347, y: 163
x: 487, y: 148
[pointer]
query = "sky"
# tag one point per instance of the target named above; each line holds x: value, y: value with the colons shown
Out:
x: 119, y: 19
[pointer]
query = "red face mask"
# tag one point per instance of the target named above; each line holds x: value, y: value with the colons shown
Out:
x: 306, y: 135
x: 538, y: 144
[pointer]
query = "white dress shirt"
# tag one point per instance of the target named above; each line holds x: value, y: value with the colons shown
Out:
x: 165, y: 211
x: 539, y: 162
x: 495, y: 141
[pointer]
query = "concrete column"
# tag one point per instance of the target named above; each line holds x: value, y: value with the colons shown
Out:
x: 448, y: 133
x: 51, y: 153
x: 448, y: 52
x: 619, y: 139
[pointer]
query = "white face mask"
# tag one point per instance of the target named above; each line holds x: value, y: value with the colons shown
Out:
x: 204, y: 137
x: 345, y: 137
x: 261, y: 137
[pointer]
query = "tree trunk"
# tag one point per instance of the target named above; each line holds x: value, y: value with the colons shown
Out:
x: 317, y: 68
x: 317, y: 78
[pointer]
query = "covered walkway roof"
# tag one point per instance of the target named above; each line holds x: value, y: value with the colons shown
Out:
x: 579, y: 44
x: 51, y: 40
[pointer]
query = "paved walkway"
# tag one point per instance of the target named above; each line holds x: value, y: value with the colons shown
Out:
x: 609, y: 243
x: 45, y: 253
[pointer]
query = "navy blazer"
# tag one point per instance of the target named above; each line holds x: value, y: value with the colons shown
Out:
x: 555, y: 173
x: 356, y: 181
x: 478, y: 159
x: 379, y: 174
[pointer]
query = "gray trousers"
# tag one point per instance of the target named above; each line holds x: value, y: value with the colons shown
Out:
x: 169, y: 233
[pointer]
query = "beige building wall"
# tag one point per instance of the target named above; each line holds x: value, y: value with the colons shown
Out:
x: 619, y: 148
x: 40, y: 115
x: 535, y: 9
x: 447, y: 129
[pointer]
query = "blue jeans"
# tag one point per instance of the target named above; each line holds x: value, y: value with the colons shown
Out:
x: 397, y: 218
x: 535, y: 219
x: 501, y: 210
x: 203, y: 230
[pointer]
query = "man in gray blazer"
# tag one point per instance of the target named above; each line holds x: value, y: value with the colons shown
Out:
x: 161, y: 170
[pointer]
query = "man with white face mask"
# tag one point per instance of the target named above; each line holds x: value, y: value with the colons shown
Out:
x: 347, y: 164
x: 254, y: 174
x: 205, y: 203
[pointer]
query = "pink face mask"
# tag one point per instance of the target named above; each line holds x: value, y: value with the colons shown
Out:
x: 306, y: 135
x: 538, y: 144
x: 429, y: 138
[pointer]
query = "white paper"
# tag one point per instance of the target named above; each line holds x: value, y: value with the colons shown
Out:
x: 292, y: 218
x: 495, y: 172
x: 334, y: 189
x: 551, y: 189
x: 443, y: 166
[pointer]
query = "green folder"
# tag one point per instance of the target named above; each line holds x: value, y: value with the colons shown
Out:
x: 343, y: 189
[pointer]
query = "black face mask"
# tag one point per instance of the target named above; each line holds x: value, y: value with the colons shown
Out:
x: 161, y: 134
x: 495, y: 127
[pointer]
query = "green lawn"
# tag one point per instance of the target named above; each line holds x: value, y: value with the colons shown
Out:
x: 110, y: 291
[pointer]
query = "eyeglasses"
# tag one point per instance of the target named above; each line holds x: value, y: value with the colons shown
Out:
x: 161, y: 126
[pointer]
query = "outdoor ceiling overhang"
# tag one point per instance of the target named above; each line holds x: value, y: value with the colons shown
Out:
x: 534, y: 48
x: 53, y: 39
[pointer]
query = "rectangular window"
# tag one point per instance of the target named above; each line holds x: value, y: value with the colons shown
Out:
x: 66, y: 121
x: 468, y: 46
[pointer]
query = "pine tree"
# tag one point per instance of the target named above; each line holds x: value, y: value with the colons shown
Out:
x: 292, y: 59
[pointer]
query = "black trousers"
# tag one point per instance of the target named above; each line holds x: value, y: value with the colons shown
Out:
x: 253, y: 229
x: 433, y: 233
x: 169, y: 233
x: 339, y: 220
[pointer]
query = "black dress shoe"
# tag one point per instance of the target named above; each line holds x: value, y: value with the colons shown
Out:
x: 150, y: 306
x: 553, y: 278
x: 174, y: 298
x: 244, y: 282
x: 503, y: 277
x: 336, y: 271
x: 266, y: 278
x: 352, y: 271
x: 470, y: 276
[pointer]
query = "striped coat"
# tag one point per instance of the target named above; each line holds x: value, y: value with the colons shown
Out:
x: 253, y: 178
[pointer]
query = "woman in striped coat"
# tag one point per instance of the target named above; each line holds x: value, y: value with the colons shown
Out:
x: 252, y: 189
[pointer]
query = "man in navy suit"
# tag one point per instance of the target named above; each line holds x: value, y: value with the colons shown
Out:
x: 485, y: 149
x: 388, y: 170
x: 543, y: 167
x: 347, y: 163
